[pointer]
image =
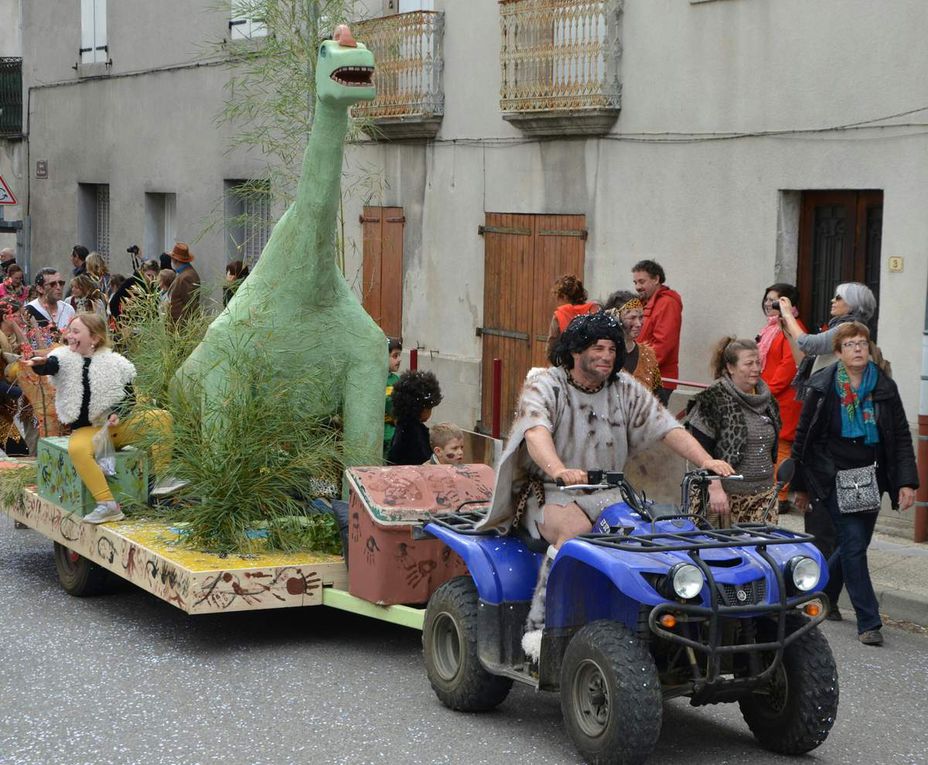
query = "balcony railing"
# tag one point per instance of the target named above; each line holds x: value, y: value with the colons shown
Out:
x: 560, y: 57
x: 11, y: 96
x: 407, y: 49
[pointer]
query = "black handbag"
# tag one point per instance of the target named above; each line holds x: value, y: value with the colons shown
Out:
x: 857, y: 490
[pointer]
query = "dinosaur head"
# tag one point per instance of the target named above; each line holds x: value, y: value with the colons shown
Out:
x: 344, y: 70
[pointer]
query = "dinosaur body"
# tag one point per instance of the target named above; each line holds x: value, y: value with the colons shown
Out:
x: 296, y: 305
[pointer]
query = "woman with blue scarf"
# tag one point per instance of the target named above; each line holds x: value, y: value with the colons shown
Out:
x: 852, y: 420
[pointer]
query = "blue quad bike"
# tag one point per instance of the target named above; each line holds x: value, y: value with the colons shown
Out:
x: 654, y: 604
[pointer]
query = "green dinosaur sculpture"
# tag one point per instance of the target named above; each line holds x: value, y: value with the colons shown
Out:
x: 296, y: 303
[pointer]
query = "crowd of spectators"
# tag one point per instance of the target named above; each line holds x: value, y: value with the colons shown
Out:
x: 35, y: 315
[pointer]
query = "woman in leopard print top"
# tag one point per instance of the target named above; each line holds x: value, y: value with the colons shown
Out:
x: 737, y: 419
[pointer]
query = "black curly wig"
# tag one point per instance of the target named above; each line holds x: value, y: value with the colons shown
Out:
x: 581, y: 333
x: 413, y: 392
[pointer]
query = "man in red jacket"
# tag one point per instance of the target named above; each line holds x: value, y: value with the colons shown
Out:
x: 663, y: 315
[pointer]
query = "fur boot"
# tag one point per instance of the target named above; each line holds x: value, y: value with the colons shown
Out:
x: 535, y: 623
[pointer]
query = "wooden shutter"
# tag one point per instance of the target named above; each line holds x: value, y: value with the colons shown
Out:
x: 560, y: 243
x: 523, y: 255
x: 382, y: 270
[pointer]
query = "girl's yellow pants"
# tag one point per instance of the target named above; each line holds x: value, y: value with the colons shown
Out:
x: 130, y: 430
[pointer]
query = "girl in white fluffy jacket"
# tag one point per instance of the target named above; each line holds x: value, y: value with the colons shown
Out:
x: 93, y: 387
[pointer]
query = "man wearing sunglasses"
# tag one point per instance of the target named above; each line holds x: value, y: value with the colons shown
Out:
x: 48, y: 309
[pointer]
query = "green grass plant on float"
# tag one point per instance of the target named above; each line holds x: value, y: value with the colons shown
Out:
x: 273, y: 456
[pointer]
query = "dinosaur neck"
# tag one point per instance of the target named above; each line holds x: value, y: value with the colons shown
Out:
x: 318, y: 195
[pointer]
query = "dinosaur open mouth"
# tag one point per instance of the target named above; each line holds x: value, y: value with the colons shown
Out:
x: 353, y: 76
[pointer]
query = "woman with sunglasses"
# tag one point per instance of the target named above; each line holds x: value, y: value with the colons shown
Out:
x: 853, y: 432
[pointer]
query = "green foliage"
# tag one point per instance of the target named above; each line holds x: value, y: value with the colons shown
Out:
x: 251, y: 455
x: 317, y: 532
x: 271, y: 89
x: 12, y: 483
x: 269, y: 104
x: 155, y: 346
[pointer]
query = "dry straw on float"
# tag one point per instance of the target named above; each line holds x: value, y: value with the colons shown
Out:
x: 273, y: 457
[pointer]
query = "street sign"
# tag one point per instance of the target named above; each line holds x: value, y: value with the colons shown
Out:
x: 6, y: 196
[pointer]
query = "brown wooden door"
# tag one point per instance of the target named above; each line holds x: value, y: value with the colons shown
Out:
x: 382, y: 272
x: 523, y: 255
x: 840, y: 234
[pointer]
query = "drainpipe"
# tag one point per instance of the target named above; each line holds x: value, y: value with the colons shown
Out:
x: 921, y: 497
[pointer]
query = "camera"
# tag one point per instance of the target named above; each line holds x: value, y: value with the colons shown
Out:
x: 775, y: 307
x: 133, y: 248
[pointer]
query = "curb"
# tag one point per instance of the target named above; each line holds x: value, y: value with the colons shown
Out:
x: 897, y: 605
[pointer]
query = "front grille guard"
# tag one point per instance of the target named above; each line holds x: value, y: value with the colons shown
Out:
x: 716, y: 611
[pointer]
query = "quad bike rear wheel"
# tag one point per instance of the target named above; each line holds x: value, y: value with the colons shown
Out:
x: 449, y: 642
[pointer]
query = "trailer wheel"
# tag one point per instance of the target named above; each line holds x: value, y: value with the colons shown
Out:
x: 78, y: 576
x: 794, y: 712
x: 610, y: 695
x: 449, y: 642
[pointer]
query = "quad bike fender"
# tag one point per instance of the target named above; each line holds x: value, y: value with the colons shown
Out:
x: 503, y: 568
x: 588, y: 583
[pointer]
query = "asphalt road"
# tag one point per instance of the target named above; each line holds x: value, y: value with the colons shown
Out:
x: 125, y: 678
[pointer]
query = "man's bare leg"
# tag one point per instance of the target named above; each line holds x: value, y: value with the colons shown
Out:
x: 561, y: 524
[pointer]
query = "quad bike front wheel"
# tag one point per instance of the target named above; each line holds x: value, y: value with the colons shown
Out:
x: 449, y: 642
x: 610, y: 695
x: 794, y: 712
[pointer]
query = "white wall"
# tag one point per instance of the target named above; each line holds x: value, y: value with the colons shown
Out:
x: 707, y: 210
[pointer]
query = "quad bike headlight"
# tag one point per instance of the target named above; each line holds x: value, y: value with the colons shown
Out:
x: 687, y: 580
x: 804, y: 573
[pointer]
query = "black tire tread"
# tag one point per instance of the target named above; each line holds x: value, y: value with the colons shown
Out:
x: 636, y: 726
x: 84, y: 580
x: 475, y: 689
x: 810, y: 713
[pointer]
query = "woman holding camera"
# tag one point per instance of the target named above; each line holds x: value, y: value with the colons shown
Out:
x: 852, y: 444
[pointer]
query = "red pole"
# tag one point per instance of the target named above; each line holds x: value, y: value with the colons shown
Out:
x: 497, y: 395
x: 413, y: 359
x: 921, y: 497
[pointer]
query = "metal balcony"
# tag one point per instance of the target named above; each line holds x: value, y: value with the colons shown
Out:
x: 410, y: 100
x: 11, y: 97
x: 560, y: 65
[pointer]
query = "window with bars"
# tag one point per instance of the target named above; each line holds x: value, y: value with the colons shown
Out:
x: 11, y: 96
x: 103, y: 221
x: 248, y: 219
x: 244, y: 23
x: 93, y: 217
x: 94, y: 48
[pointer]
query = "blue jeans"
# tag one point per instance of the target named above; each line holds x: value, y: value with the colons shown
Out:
x: 847, y: 565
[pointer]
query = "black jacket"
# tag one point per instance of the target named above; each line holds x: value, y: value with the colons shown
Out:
x: 410, y: 444
x: 815, y: 471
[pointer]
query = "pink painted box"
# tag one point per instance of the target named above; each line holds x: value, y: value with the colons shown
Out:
x: 385, y: 563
